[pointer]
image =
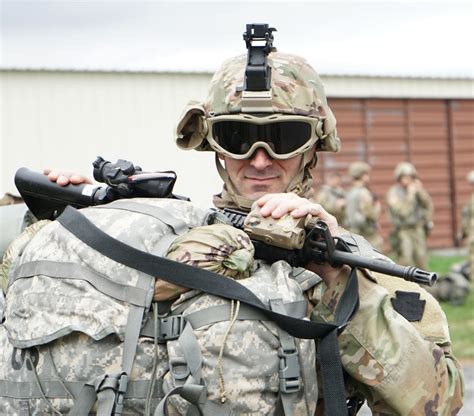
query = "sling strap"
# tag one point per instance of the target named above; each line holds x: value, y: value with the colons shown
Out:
x: 212, y: 283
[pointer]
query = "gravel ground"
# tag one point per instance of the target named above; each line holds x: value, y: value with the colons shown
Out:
x: 467, y: 410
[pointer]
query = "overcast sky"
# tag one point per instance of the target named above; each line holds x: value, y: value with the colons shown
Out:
x: 429, y: 38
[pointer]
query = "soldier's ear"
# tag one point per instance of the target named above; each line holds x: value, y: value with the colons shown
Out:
x: 221, y: 157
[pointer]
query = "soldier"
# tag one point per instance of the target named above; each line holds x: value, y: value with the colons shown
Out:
x: 394, y: 357
x: 332, y: 197
x: 362, y: 206
x: 411, y: 213
x: 454, y: 287
x: 467, y: 225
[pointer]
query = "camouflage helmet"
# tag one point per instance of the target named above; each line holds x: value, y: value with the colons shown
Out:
x: 357, y: 169
x: 296, y: 89
x: 404, y: 169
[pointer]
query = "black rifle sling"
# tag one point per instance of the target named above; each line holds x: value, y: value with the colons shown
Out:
x: 215, y: 284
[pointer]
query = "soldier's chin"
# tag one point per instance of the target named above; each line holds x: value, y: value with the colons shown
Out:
x: 257, y: 192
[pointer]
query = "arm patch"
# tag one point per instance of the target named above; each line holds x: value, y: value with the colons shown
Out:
x: 409, y: 305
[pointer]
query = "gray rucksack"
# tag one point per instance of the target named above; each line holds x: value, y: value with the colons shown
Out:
x: 81, y: 331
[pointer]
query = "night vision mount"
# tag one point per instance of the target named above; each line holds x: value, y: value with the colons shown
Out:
x: 256, y: 91
x: 259, y: 41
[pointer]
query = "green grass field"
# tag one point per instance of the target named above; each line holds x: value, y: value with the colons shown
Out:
x: 460, y: 318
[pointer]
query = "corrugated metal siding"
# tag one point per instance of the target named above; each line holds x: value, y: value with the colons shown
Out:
x: 436, y: 135
x: 461, y: 130
x: 65, y: 119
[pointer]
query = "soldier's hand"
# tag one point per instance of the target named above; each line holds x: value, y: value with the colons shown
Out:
x: 278, y: 205
x: 64, y: 178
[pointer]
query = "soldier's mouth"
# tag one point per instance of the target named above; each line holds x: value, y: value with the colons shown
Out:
x: 261, y: 181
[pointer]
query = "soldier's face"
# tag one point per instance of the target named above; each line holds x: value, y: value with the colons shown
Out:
x: 261, y: 174
x: 406, y: 180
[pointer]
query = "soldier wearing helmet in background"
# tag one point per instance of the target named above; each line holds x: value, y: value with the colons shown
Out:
x: 411, y: 213
x: 333, y: 197
x: 467, y: 225
x: 266, y: 140
x: 454, y: 287
x: 362, y: 206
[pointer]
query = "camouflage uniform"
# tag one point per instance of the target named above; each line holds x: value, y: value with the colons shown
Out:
x: 411, y: 216
x: 362, y: 208
x: 467, y: 220
x: 401, y: 367
x: 333, y: 201
x: 384, y: 353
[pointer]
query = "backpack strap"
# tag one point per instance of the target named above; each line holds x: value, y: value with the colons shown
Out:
x: 125, y: 293
x: 177, y: 226
x: 200, y: 279
x: 110, y: 389
x: 171, y: 326
x: 289, y: 371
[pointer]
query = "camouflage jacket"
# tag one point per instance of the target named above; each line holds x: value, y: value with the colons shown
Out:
x: 362, y: 213
x: 467, y: 219
x: 400, y: 367
x: 409, y: 209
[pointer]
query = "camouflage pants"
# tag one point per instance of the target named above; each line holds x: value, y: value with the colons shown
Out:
x: 411, y: 250
x: 471, y: 260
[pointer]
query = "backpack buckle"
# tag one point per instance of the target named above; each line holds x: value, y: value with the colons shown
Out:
x: 179, y: 368
x: 289, y: 372
x: 170, y: 327
x: 120, y: 394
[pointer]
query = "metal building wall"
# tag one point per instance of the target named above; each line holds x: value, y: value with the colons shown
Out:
x: 436, y: 135
x: 65, y: 119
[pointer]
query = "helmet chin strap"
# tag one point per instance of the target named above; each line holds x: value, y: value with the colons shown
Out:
x: 301, y: 184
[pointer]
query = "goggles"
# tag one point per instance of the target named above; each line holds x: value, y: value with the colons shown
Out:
x: 282, y: 136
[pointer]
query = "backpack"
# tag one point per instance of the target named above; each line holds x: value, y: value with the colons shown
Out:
x: 453, y: 287
x: 81, y: 332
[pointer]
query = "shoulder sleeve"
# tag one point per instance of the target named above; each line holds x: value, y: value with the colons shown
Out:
x: 401, y: 366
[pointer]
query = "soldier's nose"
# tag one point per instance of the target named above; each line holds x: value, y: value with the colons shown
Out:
x: 260, y: 159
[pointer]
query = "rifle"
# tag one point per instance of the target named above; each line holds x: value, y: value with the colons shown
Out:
x: 46, y: 199
x: 297, y: 241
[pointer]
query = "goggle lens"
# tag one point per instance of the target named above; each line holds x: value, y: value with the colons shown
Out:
x: 283, y: 137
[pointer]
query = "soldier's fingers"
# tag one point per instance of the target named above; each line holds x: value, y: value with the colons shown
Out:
x: 277, y: 205
x: 53, y: 175
x: 63, y: 180
x: 79, y: 179
x: 316, y: 210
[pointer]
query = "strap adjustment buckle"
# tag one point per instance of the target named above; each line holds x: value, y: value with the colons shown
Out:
x: 120, y: 394
x: 170, y: 327
x: 289, y: 372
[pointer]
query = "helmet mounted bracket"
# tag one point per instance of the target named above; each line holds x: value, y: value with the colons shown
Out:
x: 256, y: 91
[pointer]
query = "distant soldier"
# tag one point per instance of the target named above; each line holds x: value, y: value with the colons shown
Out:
x: 454, y: 287
x: 333, y: 197
x: 362, y: 205
x: 467, y: 225
x: 411, y: 213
